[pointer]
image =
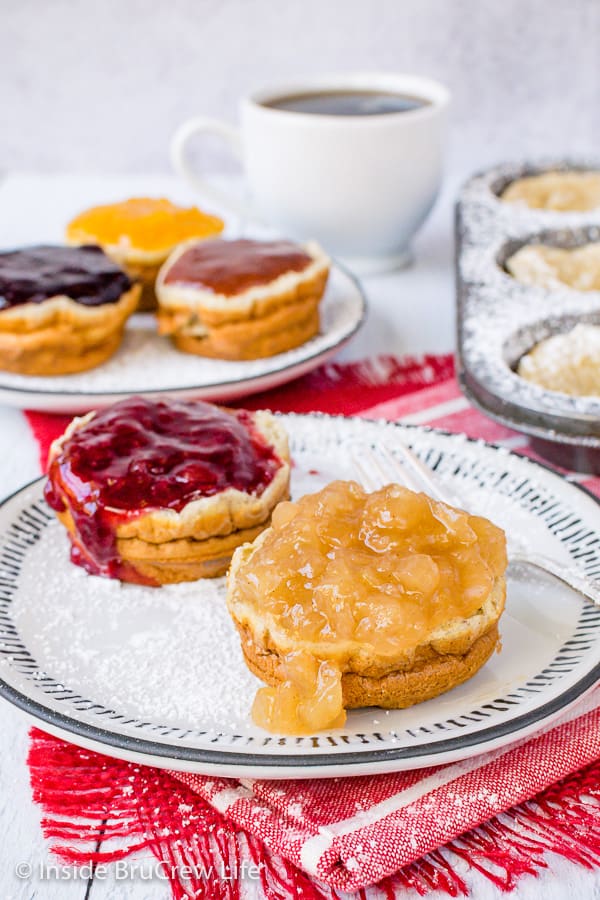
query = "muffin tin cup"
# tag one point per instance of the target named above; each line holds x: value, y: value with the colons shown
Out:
x: 500, y: 319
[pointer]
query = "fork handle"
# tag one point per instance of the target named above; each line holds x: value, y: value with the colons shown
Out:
x: 571, y: 578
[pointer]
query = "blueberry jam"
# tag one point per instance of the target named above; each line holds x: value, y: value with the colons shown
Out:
x: 85, y: 274
x: 139, y: 456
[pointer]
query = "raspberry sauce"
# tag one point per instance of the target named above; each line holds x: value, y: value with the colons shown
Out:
x: 85, y: 274
x: 139, y: 456
x: 231, y: 267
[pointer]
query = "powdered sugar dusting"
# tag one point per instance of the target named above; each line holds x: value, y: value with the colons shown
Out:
x: 159, y: 653
x: 502, y: 319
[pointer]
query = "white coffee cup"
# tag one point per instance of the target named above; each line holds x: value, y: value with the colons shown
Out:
x: 361, y: 185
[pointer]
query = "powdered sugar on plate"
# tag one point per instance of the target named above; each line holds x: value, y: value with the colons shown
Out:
x: 169, y: 653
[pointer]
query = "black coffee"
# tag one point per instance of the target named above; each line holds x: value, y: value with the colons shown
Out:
x: 348, y: 103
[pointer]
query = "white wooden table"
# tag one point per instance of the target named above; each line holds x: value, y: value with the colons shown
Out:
x: 411, y: 312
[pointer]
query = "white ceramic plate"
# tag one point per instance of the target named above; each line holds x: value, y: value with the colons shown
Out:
x: 150, y: 365
x: 156, y: 674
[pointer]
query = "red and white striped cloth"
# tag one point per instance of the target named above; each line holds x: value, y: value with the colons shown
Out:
x: 500, y: 812
x: 353, y: 832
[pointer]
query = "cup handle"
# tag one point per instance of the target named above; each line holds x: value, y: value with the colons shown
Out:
x: 181, y: 163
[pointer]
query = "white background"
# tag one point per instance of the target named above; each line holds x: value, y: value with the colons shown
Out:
x: 100, y: 86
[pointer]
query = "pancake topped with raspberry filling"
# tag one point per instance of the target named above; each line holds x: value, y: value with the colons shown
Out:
x: 163, y: 491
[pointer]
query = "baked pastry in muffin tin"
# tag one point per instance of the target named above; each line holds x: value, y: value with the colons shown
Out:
x: 157, y: 492
x: 241, y: 299
x: 561, y: 191
x: 568, y: 362
x: 556, y: 267
x: 352, y: 599
x: 62, y: 309
x: 139, y: 234
x: 527, y: 273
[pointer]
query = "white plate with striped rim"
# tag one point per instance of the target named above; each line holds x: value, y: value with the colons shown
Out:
x: 156, y: 675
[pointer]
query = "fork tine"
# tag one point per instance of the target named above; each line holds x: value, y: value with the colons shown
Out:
x: 375, y: 471
x: 398, y: 471
x: 429, y: 483
x: 369, y: 478
x: 387, y: 473
x: 379, y: 466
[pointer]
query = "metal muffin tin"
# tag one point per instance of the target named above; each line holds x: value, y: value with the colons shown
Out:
x: 500, y: 319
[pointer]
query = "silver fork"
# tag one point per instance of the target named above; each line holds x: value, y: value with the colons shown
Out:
x: 381, y: 466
